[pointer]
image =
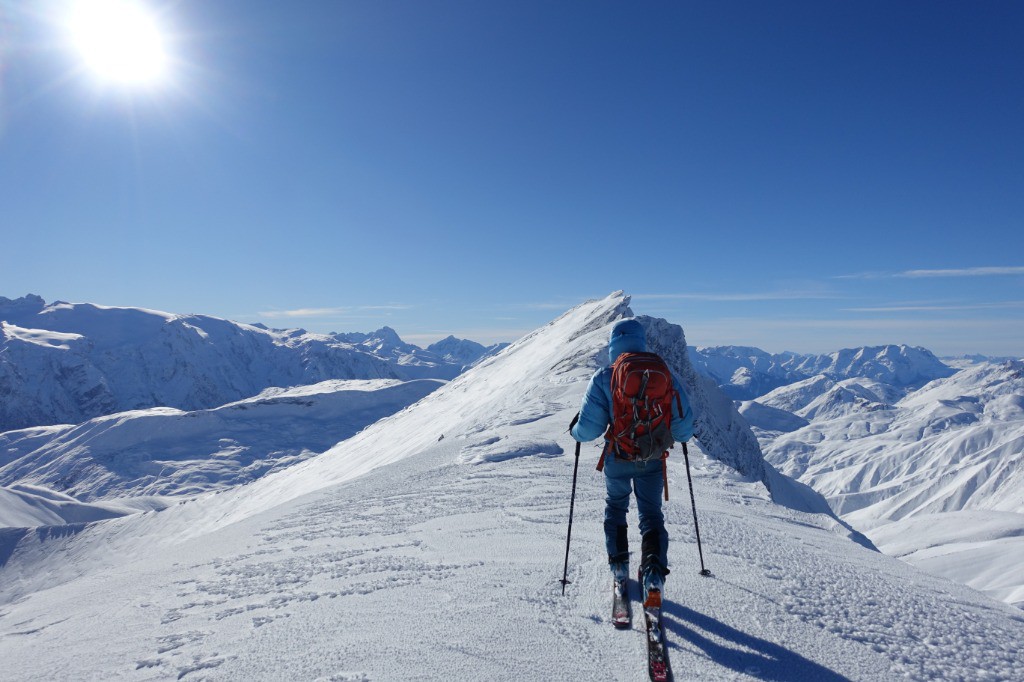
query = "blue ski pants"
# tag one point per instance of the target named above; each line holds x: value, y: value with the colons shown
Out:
x: 645, y: 479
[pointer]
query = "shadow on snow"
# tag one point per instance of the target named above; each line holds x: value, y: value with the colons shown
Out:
x: 740, y: 651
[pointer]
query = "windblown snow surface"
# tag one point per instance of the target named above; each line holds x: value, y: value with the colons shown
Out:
x: 429, y: 546
x: 163, y: 451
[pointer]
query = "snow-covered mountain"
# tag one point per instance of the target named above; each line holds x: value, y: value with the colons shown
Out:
x: 904, y: 471
x: 821, y: 397
x: 163, y: 451
x: 464, y: 352
x: 407, y: 360
x: 745, y: 373
x: 428, y: 546
x: 968, y: 360
x: 66, y: 363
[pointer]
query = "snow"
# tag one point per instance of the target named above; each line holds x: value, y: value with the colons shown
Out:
x: 39, y: 337
x: 393, y: 556
x: 770, y: 418
x: 163, y: 451
x: 983, y: 549
x: 745, y: 373
x: 501, y: 449
x: 463, y: 352
x: 25, y: 506
x: 69, y: 362
x: 925, y: 476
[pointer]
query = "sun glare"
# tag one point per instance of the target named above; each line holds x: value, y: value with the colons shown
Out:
x: 119, y: 41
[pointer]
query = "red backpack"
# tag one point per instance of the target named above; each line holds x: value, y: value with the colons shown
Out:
x: 642, y: 395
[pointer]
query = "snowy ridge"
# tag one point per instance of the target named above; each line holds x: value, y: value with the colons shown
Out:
x: 163, y: 451
x: 724, y: 435
x: 745, y: 373
x: 897, y: 365
x: 287, y: 577
x: 66, y: 363
x: 717, y: 425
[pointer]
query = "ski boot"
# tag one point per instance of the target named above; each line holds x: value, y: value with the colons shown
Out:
x: 622, y: 616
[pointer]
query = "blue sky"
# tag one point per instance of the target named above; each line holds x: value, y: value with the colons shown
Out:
x: 793, y: 175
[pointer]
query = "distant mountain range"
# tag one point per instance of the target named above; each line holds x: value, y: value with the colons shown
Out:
x: 929, y: 473
x: 65, y: 363
x: 745, y: 373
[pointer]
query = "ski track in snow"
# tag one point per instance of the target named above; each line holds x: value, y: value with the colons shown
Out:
x: 456, y: 577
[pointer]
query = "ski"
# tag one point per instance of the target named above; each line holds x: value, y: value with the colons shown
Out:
x: 657, y: 655
x: 622, y: 612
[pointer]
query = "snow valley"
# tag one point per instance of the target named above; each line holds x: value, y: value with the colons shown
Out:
x: 188, y: 498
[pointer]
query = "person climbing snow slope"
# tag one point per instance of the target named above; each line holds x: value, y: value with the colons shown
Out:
x: 640, y: 408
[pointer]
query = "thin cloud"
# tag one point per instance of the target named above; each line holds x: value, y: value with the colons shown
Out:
x: 965, y: 272
x: 934, y: 308
x: 993, y: 271
x: 305, y: 312
x: 316, y: 313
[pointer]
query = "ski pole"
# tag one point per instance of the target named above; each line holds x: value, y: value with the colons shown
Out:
x: 572, y: 503
x: 693, y: 503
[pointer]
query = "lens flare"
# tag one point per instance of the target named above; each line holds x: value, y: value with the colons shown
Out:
x: 119, y: 41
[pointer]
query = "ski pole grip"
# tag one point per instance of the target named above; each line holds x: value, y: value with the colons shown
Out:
x: 575, y: 420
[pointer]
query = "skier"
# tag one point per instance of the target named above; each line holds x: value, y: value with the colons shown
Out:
x: 623, y: 473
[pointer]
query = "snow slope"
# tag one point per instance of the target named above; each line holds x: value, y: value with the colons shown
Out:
x: 25, y: 505
x: 983, y: 549
x: 429, y: 546
x: 956, y: 444
x: 163, y: 451
x: 66, y: 363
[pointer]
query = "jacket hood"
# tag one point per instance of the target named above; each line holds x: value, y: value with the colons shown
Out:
x: 627, y: 337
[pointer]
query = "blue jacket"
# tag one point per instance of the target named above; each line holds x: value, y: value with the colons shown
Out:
x: 596, y: 412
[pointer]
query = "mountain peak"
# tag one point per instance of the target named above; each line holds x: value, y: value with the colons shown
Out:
x: 10, y: 309
x: 746, y: 373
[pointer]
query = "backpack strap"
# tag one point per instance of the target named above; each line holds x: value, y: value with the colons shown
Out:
x: 600, y: 462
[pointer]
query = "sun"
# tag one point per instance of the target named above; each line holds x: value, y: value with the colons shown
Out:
x: 119, y: 41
